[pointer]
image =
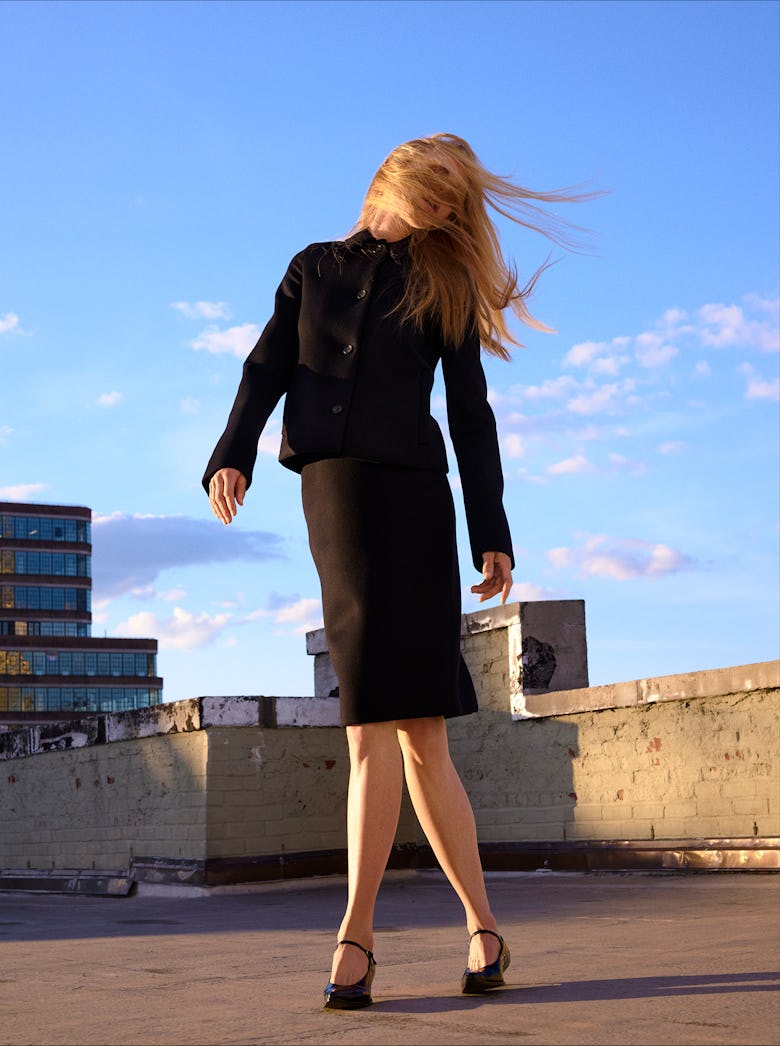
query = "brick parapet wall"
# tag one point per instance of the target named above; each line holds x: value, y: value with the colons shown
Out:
x: 690, y: 760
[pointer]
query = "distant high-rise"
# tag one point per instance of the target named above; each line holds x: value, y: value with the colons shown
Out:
x: 49, y: 661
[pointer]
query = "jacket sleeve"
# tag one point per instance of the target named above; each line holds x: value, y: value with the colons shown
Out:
x: 265, y: 379
x: 472, y: 428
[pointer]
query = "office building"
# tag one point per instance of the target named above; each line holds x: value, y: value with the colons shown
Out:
x: 51, y: 667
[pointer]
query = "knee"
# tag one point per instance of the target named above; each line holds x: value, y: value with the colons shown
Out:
x: 424, y: 741
x: 371, y: 740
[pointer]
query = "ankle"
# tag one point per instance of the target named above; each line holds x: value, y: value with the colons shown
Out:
x: 362, y: 935
x: 488, y: 923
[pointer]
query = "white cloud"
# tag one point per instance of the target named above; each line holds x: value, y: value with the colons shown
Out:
x: 601, y: 357
x: 673, y: 318
x: 703, y: 369
x: 584, y: 352
x: 5, y: 432
x: 236, y: 341
x: 181, y: 631
x: 142, y: 592
x: 528, y: 592
x: 621, y: 559
x: 271, y: 438
x: 672, y: 446
x: 202, y: 310
x: 553, y: 388
x: 9, y: 321
x: 22, y: 491
x: 608, y: 365
x: 109, y: 399
x: 189, y: 405
x: 172, y: 595
x: 561, y: 557
x: 513, y: 445
x: 652, y: 351
x: 726, y: 325
x: 604, y: 398
x: 304, y: 615
x: 758, y: 388
x: 620, y: 463
x: 570, y: 466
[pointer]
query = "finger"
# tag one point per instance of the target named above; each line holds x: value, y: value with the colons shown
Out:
x: 506, y: 588
x: 486, y: 585
x: 487, y: 591
x: 240, y: 488
x: 226, y: 494
x: 220, y: 497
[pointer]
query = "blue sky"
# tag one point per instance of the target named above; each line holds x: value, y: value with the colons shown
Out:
x: 163, y: 161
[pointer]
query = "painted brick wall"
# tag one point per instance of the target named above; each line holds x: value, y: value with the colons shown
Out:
x: 280, y: 791
x: 95, y: 807
x: 704, y: 768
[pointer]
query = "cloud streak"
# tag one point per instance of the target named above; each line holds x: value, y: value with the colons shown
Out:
x: 9, y: 321
x: 181, y: 631
x: 130, y: 551
x: 21, y: 491
x: 620, y: 559
x: 233, y: 341
x: 202, y: 310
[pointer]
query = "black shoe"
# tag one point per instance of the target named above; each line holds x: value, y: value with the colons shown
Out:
x: 474, y: 982
x: 351, y: 996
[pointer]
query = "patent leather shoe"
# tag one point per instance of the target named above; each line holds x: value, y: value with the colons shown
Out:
x: 474, y: 982
x: 351, y: 996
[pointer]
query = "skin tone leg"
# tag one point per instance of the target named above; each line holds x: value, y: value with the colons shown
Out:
x: 444, y: 811
x: 445, y: 815
x: 373, y: 806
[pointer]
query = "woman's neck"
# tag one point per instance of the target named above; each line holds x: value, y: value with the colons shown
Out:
x: 388, y: 226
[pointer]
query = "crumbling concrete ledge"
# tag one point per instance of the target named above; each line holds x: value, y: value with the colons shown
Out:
x: 177, y: 717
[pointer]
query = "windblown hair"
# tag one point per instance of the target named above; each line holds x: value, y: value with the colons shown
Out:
x: 458, y: 274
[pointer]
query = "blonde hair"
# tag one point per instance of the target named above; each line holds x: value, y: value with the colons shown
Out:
x: 458, y: 274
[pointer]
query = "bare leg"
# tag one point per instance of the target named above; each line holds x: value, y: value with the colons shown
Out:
x: 445, y: 815
x: 373, y: 806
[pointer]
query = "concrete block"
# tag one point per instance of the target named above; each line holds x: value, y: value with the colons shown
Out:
x: 307, y: 711
x: 229, y: 711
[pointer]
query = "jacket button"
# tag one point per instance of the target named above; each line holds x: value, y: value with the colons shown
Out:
x: 361, y: 293
x: 347, y: 350
x: 336, y: 408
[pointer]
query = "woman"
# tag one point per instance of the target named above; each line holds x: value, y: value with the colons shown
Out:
x: 358, y: 329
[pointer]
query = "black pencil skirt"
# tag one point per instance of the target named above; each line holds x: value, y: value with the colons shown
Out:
x: 383, y: 542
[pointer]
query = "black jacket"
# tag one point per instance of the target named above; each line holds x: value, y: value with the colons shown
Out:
x: 357, y: 382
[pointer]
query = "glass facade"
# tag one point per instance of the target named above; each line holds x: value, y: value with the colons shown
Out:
x: 44, y: 628
x: 75, y: 663
x: 46, y: 623
x: 36, y: 597
x: 45, y: 528
x: 76, y: 698
x: 49, y: 564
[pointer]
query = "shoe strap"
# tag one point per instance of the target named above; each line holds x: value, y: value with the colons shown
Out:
x: 366, y: 952
x: 497, y: 936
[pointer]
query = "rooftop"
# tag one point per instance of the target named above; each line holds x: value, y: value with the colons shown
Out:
x: 598, y: 958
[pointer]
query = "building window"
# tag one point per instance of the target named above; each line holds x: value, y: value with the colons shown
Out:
x: 45, y: 528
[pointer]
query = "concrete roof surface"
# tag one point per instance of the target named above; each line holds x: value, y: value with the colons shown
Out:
x: 596, y: 959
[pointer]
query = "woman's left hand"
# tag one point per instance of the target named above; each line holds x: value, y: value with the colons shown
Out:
x: 497, y: 572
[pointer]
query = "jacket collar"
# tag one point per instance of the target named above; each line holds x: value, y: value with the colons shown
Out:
x: 366, y: 243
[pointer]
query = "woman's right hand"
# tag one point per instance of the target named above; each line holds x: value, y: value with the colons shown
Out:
x: 227, y: 487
